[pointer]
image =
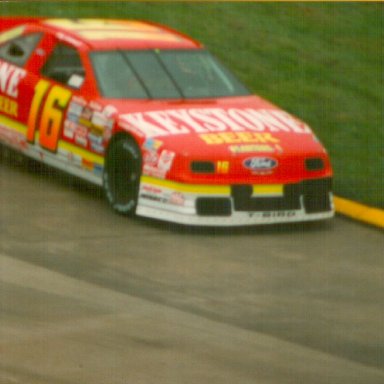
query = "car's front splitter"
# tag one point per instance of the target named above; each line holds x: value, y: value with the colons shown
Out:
x: 216, y: 205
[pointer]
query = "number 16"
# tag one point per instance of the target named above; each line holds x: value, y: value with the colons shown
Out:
x: 48, y: 117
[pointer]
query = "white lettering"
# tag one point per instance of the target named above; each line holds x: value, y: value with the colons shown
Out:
x: 5, y: 72
x: 163, y: 118
x: 246, y: 120
x: 225, y: 118
x: 296, y: 125
x: 139, y: 123
x: 183, y: 115
x: 10, y: 77
x: 265, y: 117
x: 14, y: 81
x: 204, y: 121
x: 210, y: 123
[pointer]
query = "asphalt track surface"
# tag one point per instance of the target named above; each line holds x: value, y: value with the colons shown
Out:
x: 87, y: 296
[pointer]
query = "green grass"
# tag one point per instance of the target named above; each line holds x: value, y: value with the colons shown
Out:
x: 321, y: 61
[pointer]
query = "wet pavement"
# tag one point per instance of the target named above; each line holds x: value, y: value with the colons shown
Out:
x: 87, y: 296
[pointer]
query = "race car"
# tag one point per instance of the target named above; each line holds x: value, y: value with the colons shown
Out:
x: 155, y: 119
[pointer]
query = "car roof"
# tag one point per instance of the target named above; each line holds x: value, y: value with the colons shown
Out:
x: 119, y: 34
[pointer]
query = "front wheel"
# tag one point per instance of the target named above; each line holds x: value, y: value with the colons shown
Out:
x: 121, y: 176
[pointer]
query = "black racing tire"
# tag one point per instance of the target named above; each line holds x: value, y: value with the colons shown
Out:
x: 121, y: 176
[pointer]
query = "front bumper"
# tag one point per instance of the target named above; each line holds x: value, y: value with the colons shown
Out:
x: 236, y: 205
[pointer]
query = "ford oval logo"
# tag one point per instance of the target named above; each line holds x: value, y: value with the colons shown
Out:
x: 260, y: 164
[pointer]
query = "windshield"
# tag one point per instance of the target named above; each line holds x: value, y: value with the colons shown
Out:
x: 168, y: 74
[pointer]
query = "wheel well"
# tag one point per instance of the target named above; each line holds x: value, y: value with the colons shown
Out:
x: 118, y: 136
x: 121, y: 175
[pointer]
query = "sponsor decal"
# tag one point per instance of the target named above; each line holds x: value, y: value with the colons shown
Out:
x: 68, y: 156
x: 81, y: 131
x: 211, y: 120
x: 151, y: 189
x: 158, y: 165
x: 107, y: 134
x: 248, y: 148
x: 74, y: 111
x: 73, y: 118
x: 96, y: 147
x: 151, y: 158
x: 166, y: 160
x: 94, y: 138
x: 260, y: 164
x: 88, y: 165
x: 98, y: 169
x: 238, y: 137
x: 80, y: 100
x: 279, y: 214
x: 73, y: 158
x: 96, y: 131
x: 8, y: 106
x: 81, y: 141
x: 95, y: 106
x: 222, y: 167
x: 75, y: 81
x: 10, y: 77
x: 110, y: 111
x: 86, y: 116
x: 99, y: 123
x: 69, y: 129
x: 273, y: 214
x: 152, y: 144
x: 93, y: 124
x: 160, y: 196
x: 13, y: 138
x: 147, y: 196
x: 151, y: 155
x: 177, y: 198
x: 81, y: 136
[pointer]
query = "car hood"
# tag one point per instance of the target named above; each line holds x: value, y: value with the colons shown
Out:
x: 221, y: 127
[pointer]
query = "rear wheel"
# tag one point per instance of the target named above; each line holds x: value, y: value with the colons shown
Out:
x: 121, y: 176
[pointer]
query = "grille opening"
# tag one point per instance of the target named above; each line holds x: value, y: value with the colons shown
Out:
x: 213, y: 206
x: 243, y: 200
x: 241, y: 192
x: 203, y: 167
x: 314, y: 164
x: 317, y: 195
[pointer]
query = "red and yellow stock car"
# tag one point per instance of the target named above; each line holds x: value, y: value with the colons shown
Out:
x: 152, y: 117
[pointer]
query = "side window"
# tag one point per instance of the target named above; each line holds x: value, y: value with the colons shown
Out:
x: 18, y: 51
x: 64, y: 66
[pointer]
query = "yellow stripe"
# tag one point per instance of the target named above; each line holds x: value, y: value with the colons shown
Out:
x: 81, y: 152
x: 21, y: 128
x: 210, y: 189
x: 12, y: 34
x: 369, y: 215
x: 188, y: 188
x: 272, y: 189
x: 129, y: 35
x: 12, y: 124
